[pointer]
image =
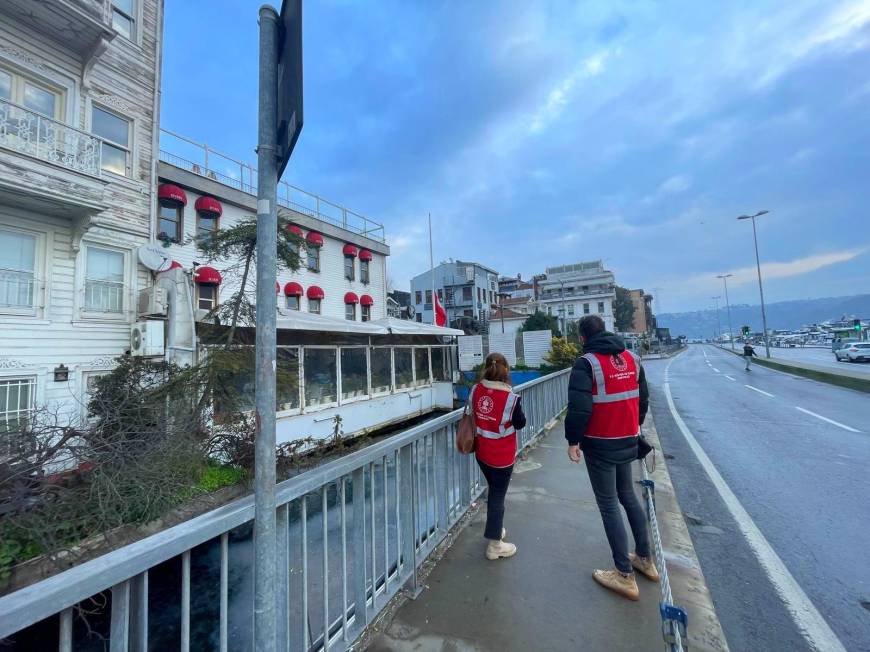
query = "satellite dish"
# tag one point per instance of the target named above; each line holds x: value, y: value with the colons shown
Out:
x: 154, y: 258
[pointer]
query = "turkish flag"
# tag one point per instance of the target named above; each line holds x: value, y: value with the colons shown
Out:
x: 440, y: 313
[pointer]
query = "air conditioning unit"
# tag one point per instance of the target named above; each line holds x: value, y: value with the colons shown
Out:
x: 153, y: 301
x: 146, y: 338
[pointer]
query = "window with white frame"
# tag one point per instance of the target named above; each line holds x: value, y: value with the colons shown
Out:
x: 123, y: 18
x: 313, y: 258
x: 89, y: 388
x: 350, y: 312
x: 115, y: 132
x: 382, y: 370
x: 421, y: 366
x: 349, y: 267
x: 206, y: 297
x: 170, y: 215
x: 293, y: 302
x: 17, y: 270
x: 33, y: 95
x: 600, y: 307
x: 16, y: 403
x: 366, y: 313
x: 314, y: 306
x: 287, y: 378
x: 354, y: 373
x: 585, y: 308
x: 404, y: 363
x: 364, y: 271
x: 320, y: 376
x: 104, y: 280
x: 570, y: 309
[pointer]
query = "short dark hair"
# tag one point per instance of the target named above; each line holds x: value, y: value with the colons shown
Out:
x: 591, y: 325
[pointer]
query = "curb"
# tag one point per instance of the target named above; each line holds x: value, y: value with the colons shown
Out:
x: 812, y: 372
x: 688, y: 585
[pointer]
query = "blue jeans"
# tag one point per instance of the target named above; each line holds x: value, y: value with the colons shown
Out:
x: 612, y: 486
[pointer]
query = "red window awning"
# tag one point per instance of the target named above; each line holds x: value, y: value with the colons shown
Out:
x: 293, y: 289
x: 170, y: 193
x: 351, y: 297
x: 314, y: 238
x: 210, y: 205
x: 175, y: 265
x: 315, y: 292
x: 295, y: 230
x: 365, y: 254
x: 366, y: 300
x: 206, y: 275
x: 350, y: 250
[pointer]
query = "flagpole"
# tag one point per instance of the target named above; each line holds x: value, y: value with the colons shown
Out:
x: 432, y: 269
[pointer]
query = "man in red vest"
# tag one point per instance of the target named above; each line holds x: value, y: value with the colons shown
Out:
x: 607, y: 401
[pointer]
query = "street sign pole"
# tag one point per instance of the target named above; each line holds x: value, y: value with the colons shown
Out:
x: 265, y: 541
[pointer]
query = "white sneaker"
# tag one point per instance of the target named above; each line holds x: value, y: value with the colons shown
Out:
x: 500, y: 549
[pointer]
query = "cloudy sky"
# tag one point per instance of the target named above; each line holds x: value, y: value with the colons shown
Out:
x: 544, y: 133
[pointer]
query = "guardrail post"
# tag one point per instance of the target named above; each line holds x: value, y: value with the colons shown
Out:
x: 358, y: 537
x: 406, y: 526
x: 282, y: 526
x: 442, y: 491
x: 139, y: 613
x: 119, y: 629
x: 465, y: 480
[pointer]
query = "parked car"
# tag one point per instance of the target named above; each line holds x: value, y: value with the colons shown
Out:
x: 838, y: 344
x: 855, y: 352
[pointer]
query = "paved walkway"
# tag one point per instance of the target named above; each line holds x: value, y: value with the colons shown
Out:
x: 544, y: 598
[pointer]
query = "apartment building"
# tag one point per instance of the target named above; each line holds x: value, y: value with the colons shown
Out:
x: 571, y: 291
x: 643, y: 320
x: 79, y: 84
x: 465, y: 289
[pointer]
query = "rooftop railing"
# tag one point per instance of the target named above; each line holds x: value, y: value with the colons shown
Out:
x: 199, y: 158
x: 351, y: 534
x: 33, y: 134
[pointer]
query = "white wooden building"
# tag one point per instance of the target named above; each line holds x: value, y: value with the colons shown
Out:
x: 78, y: 134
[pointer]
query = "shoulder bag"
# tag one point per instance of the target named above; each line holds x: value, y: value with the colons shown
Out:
x: 466, y: 431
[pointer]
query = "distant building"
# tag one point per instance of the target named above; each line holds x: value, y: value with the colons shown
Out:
x: 465, y: 289
x: 643, y: 320
x: 511, y: 322
x: 399, y: 305
x: 523, y: 305
x: 571, y: 291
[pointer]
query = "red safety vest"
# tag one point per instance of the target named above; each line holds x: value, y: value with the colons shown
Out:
x: 493, y: 405
x: 615, y: 395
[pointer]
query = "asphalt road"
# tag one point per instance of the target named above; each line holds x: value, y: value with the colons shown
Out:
x: 803, y: 482
x: 816, y: 356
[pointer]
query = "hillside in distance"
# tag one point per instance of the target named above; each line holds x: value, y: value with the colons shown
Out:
x: 782, y: 315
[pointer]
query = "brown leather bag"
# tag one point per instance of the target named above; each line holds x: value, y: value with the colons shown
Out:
x: 466, y: 431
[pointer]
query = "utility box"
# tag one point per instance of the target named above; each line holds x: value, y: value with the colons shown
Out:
x: 153, y: 302
x: 147, y: 339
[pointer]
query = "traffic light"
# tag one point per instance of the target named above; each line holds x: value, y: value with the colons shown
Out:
x: 745, y: 331
x: 856, y: 324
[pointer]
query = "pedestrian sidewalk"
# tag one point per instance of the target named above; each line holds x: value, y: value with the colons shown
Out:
x: 544, y: 598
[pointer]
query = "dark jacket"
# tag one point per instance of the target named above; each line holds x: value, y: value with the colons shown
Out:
x: 616, y: 451
x: 748, y: 350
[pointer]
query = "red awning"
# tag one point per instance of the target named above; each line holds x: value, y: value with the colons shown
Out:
x: 351, y: 297
x: 315, y: 292
x: 365, y: 254
x: 206, y: 275
x: 206, y: 204
x: 314, y: 238
x: 169, y: 192
x: 295, y: 230
x: 350, y: 250
x: 175, y: 265
x: 366, y: 300
x: 293, y: 289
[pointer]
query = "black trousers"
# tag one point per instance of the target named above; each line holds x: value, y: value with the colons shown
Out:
x: 497, y: 479
x: 613, y: 486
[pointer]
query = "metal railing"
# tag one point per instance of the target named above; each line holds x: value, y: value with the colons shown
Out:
x: 351, y: 535
x: 28, y: 132
x: 199, y: 158
x: 16, y: 288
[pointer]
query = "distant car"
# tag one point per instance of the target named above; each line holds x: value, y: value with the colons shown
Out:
x: 855, y: 352
x: 836, y: 345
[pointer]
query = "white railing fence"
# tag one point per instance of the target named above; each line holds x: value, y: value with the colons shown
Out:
x: 352, y: 533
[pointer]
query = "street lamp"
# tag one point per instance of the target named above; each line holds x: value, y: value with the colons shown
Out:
x: 758, y: 266
x: 718, y: 323
x: 724, y: 278
x: 564, y: 315
x: 501, y: 297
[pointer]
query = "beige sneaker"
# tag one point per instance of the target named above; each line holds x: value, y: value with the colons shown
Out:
x: 645, y: 566
x: 624, y: 585
x: 498, y: 549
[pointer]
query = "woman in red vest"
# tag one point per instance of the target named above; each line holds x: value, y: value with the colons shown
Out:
x: 498, y: 415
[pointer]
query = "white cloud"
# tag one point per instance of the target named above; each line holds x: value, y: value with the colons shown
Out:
x: 676, y: 184
x: 562, y: 93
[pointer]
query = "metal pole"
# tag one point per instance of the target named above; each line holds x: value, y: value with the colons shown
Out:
x: 728, y: 303
x: 265, y: 542
x: 718, y: 323
x: 432, y: 270
x: 564, y: 314
x: 760, y: 291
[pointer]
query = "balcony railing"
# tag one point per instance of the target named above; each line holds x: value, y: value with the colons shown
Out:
x: 200, y: 159
x: 30, y: 133
x: 351, y: 534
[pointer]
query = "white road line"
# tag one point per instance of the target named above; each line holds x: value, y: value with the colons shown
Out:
x: 809, y: 621
x: 704, y: 351
x: 715, y: 369
x: 831, y: 421
x: 760, y: 391
x: 729, y: 377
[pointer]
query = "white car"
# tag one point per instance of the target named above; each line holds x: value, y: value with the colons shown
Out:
x: 854, y: 352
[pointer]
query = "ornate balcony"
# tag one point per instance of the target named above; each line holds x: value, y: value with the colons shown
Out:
x: 35, y: 135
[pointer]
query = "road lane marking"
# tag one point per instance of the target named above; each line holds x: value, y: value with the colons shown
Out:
x: 715, y: 369
x: 819, y: 416
x: 760, y: 391
x: 729, y: 377
x: 704, y: 351
x: 809, y: 621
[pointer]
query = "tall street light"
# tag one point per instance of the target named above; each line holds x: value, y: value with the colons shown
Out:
x: 718, y: 323
x: 758, y: 266
x: 724, y: 278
